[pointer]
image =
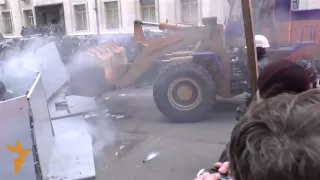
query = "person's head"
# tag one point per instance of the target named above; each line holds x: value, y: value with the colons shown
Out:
x: 285, y: 76
x: 52, y: 39
x: 262, y: 44
x: 278, y: 139
x: 94, y: 41
x: 54, y: 21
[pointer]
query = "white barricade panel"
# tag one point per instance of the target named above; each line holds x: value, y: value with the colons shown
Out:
x: 15, y: 126
x: 42, y: 124
x: 72, y: 154
x: 74, y: 105
x: 54, y: 73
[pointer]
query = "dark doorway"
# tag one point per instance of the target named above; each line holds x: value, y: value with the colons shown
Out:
x: 52, y: 15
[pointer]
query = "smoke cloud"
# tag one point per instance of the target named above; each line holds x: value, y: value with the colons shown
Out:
x: 103, y: 132
x: 18, y: 70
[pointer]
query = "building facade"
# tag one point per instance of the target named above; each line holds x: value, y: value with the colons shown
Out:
x: 307, y: 4
x: 80, y: 17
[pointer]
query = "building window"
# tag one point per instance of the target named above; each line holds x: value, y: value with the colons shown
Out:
x: 148, y: 10
x: 294, y: 4
x: 29, y: 20
x: 7, y: 23
x: 112, y: 15
x: 81, y: 17
x: 189, y: 11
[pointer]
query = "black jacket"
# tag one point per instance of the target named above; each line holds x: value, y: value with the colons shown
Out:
x: 263, y: 62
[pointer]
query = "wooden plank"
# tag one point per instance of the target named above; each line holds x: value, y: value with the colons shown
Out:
x: 251, y: 46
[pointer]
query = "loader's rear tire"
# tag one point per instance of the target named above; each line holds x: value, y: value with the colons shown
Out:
x: 183, y: 91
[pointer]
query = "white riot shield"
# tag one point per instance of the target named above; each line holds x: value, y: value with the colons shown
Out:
x: 53, y: 71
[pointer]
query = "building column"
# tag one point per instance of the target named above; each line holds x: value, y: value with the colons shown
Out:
x: 217, y: 8
x: 128, y: 14
x: 68, y: 17
x: 207, y: 8
x: 167, y: 10
x: 92, y: 17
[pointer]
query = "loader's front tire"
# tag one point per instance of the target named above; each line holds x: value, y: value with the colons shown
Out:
x: 183, y: 91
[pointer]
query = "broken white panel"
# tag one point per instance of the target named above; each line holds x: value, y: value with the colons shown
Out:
x: 16, y: 116
x: 72, y: 155
x: 54, y: 73
x: 70, y: 106
x: 42, y: 124
x: 15, y: 126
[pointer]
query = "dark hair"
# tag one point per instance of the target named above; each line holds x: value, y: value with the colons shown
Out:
x: 278, y: 139
x: 54, y: 21
x: 285, y: 76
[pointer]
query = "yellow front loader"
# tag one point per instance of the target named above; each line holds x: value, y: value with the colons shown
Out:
x: 185, y: 88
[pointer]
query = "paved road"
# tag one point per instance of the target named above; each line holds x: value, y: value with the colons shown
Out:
x: 183, y: 148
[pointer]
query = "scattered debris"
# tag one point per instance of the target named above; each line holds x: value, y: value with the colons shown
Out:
x: 117, y: 116
x: 151, y: 156
x: 107, y: 115
x: 59, y: 178
x: 121, y: 147
x: 122, y: 95
x: 120, y: 117
x: 116, y: 154
x: 106, y: 98
x: 88, y: 116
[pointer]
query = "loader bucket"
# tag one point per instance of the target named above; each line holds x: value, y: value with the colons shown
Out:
x: 112, y: 57
x: 94, y: 71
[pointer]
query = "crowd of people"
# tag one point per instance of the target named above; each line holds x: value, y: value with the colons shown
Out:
x: 36, y: 37
x: 278, y: 136
x: 53, y: 29
x: 49, y: 30
x: 67, y: 45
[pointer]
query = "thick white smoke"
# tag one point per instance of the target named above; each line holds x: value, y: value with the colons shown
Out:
x: 17, y: 71
x: 103, y: 132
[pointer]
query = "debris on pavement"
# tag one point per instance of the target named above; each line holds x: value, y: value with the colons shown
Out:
x: 117, y: 116
x: 104, y: 114
x: 121, y: 147
x: 122, y: 95
x: 93, y: 115
x: 116, y: 154
x: 151, y: 156
x: 120, y: 117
